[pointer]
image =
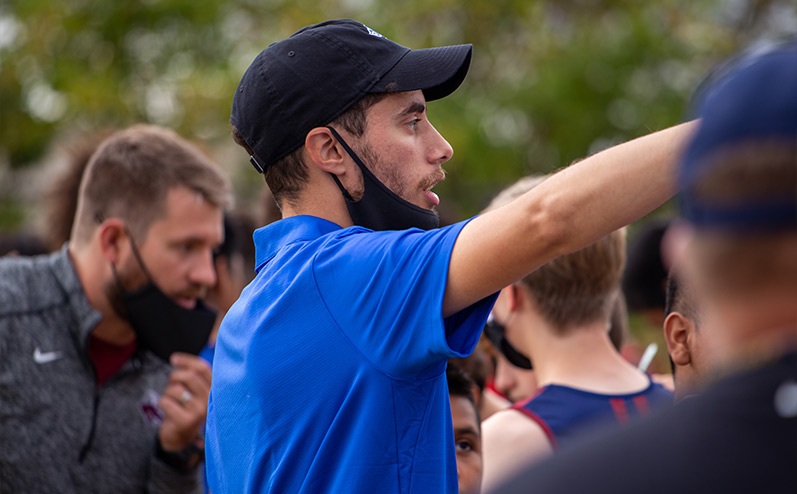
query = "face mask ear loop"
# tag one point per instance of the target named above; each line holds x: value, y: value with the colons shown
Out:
x: 138, y: 255
x: 116, y: 279
x: 345, y: 192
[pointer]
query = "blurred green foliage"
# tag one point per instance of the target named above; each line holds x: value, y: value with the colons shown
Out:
x: 551, y: 80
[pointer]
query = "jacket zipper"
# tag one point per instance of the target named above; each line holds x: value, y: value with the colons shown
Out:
x: 87, y: 446
x: 85, y: 449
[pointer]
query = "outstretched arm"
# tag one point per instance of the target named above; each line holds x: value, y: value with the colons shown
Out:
x: 567, y: 212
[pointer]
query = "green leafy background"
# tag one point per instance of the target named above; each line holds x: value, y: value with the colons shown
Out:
x: 551, y: 81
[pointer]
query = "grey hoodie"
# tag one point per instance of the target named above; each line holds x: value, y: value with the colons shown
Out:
x: 60, y: 431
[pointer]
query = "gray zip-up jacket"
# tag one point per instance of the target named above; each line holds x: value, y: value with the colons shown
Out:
x: 59, y: 431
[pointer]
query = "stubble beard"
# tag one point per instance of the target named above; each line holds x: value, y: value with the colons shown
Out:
x: 388, y: 174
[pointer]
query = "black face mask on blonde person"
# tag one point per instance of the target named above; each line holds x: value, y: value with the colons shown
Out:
x: 161, y: 325
x: 379, y: 208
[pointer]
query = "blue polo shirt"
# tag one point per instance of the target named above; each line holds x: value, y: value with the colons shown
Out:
x: 329, y: 372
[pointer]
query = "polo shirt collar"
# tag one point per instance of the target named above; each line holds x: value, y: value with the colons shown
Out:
x: 271, y: 238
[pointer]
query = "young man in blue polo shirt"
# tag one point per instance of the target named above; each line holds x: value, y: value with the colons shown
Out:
x: 329, y: 373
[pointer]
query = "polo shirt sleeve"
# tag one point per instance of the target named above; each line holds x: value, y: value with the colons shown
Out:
x: 384, y: 290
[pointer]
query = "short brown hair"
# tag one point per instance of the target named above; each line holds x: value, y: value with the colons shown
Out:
x: 60, y: 198
x: 131, y: 173
x: 576, y: 288
x: 286, y: 177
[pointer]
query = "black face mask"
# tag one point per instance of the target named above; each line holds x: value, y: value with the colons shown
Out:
x: 162, y: 326
x: 379, y: 208
x: 496, y: 333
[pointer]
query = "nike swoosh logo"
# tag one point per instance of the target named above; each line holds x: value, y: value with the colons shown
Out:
x: 46, y: 357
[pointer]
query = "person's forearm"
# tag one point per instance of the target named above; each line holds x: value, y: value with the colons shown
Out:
x: 614, y: 187
x: 566, y: 212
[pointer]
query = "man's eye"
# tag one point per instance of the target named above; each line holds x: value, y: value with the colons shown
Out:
x: 187, y: 247
x: 414, y: 123
x: 464, y: 446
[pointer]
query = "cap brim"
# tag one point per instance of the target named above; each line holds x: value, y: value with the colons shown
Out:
x: 438, y: 72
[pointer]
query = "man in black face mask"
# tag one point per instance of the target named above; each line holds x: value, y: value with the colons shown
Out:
x: 100, y: 390
x: 359, y: 299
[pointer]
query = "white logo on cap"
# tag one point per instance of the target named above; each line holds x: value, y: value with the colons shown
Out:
x: 372, y: 32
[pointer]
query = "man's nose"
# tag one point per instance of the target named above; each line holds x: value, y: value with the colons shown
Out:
x: 204, y: 270
x: 440, y: 150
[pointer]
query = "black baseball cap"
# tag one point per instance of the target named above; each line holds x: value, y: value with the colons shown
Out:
x: 311, y: 78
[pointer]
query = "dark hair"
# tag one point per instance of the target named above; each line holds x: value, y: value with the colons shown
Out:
x: 22, y: 243
x: 474, y: 365
x: 461, y: 384
x: 286, y: 177
x: 238, y: 230
x: 680, y: 299
x: 644, y: 276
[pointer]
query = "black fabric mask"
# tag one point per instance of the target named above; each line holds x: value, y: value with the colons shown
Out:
x: 379, y: 208
x: 162, y: 326
x: 496, y: 333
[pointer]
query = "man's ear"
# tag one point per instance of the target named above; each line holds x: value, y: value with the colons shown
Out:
x: 517, y: 297
x: 506, y: 300
x: 677, y: 331
x: 325, y: 151
x: 112, y: 236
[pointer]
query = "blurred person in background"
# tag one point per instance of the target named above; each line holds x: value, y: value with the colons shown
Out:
x: 480, y: 367
x: 22, y: 243
x: 739, y: 199
x: 234, y: 264
x: 99, y: 390
x: 467, y: 430
x: 644, y: 285
x: 645, y: 276
x: 688, y: 330
x: 559, y: 316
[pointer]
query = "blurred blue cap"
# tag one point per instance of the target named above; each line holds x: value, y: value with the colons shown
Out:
x: 755, y: 101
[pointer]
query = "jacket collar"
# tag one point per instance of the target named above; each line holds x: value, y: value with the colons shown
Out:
x: 84, y: 317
